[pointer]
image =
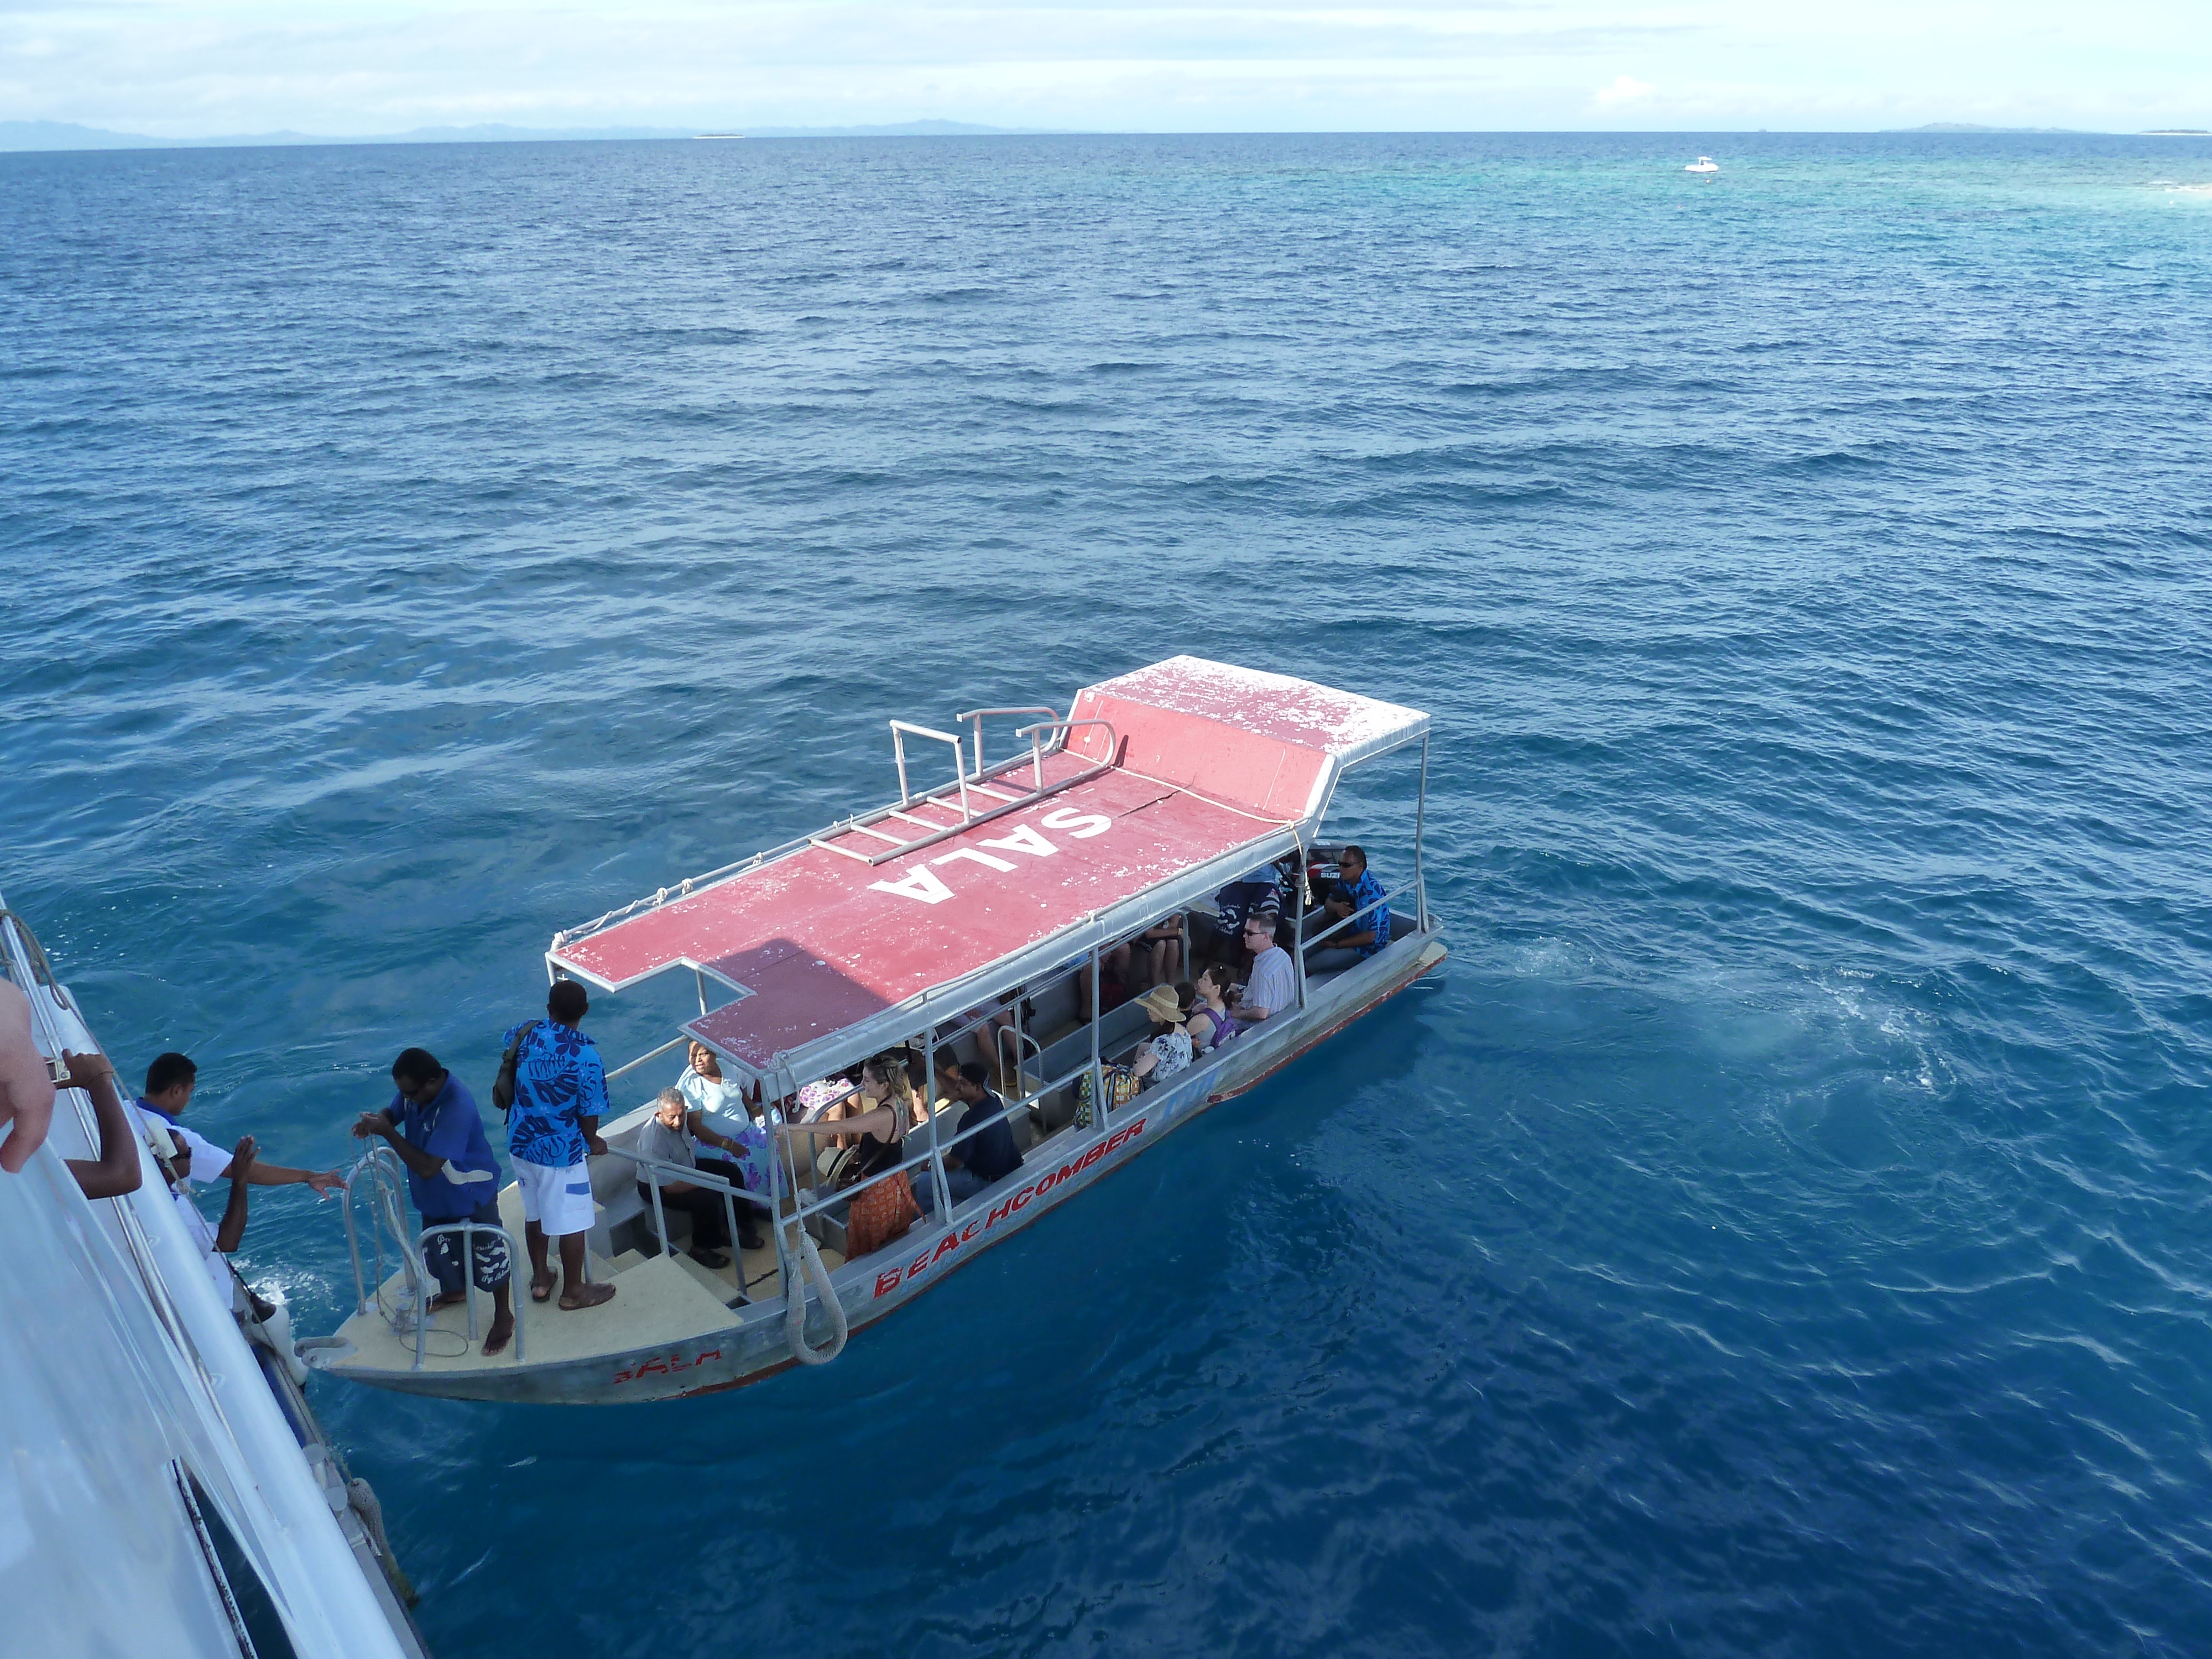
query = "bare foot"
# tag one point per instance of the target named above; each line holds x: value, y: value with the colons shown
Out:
x: 447, y: 1299
x: 496, y: 1339
x: 585, y: 1296
x: 541, y: 1286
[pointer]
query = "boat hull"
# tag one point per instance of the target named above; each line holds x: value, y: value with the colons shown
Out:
x: 755, y: 1345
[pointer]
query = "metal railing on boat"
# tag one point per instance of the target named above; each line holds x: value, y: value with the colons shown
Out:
x: 379, y: 1177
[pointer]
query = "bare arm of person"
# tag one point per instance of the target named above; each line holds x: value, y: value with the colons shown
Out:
x: 232, y: 1228
x: 284, y: 1175
x: 26, y: 1089
x: 696, y: 1125
x: 590, y: 1125
x: 119, y: 1169
x: 879, y: 1123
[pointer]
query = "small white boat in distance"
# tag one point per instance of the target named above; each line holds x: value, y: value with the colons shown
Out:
x: 1704, y: 166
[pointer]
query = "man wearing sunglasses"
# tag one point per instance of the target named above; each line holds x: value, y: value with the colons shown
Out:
x: 1273, y: 985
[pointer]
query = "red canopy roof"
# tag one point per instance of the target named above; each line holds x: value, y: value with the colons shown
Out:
x: 1211, y: 762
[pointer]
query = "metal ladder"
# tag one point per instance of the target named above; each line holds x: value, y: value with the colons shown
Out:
x: 971, y: 797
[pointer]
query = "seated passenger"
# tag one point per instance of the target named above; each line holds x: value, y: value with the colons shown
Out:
x: 882, y: 1211
x: 1355, y: 891
x: 1257, y: 894
x: 1115, y: 967
x: 988, y: 1156
x: 1169, y: 1049
x: 1210, y: 1024
x: 668, y: 1137
x: 1273, y: 986
x: 432, y: 1126
x: 704, y: 1087
x: 1158, y: 954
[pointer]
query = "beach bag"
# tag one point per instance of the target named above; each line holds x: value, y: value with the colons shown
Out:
x: 1122, y: 1087
x: 879, y: 1214
x: 503, y: 1086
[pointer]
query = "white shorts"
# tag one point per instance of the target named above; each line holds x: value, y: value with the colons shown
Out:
x: 558, y: 1201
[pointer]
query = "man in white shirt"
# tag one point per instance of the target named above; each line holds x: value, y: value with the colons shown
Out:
x: 169, y: 1083
x: 1273, y: 987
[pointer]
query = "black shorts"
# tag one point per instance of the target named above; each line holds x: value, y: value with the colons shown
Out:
x: 487, y: 1253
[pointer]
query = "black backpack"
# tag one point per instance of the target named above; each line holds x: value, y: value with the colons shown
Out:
x: 503, y: 1086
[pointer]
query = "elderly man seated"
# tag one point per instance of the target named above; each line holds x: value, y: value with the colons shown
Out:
x: 671, y: 1135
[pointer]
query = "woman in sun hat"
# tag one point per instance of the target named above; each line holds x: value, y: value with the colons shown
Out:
x: 1168, y: 1046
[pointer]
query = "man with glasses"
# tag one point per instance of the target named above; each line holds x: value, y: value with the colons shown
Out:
x: 1360, y: 896
x: 432, y: 1124
x: 1273, y: 986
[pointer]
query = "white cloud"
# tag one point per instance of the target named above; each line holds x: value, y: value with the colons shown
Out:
x: 184, y: 69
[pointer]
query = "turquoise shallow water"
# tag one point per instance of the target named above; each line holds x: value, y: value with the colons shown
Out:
x: 1786, y: 1226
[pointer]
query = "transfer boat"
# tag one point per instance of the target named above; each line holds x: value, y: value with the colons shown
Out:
x: 168, y: 1490
x: 972, y: 918
x: 1704, y: 166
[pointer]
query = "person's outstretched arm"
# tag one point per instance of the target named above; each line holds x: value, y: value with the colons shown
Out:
x: 119, y: 1169
x: 27, y: 1089
x: 284, y: 1175
x: 232, y: 1227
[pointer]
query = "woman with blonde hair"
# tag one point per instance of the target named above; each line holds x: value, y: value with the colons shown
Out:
x: 888, y: 1102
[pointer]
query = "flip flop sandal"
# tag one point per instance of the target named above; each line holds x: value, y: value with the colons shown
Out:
x: 573, y: 1302
x: 541, y: 1290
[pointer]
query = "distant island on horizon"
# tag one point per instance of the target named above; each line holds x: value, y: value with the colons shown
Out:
x: 69, y: 135
x: 42, y: 135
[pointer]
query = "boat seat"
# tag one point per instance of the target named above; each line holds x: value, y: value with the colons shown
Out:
x: 1118, y: 1028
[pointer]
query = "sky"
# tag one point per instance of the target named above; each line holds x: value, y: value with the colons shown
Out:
x: 362, y: 67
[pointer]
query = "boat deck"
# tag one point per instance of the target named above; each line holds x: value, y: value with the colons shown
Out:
x: 659, y: 1300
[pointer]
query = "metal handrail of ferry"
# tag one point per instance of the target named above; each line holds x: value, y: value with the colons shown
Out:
x: 27, y: 963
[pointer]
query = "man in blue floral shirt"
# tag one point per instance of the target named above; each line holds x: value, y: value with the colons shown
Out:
x: 1355, y: 888
x: 559, y: 1095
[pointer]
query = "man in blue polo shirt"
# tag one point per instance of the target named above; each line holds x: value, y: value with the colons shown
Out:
x: 432, y: 1124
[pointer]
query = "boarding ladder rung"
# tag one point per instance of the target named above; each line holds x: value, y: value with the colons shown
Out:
x: 973, y: 797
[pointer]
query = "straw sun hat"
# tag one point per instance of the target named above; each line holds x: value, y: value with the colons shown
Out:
x: 1160, y: 1003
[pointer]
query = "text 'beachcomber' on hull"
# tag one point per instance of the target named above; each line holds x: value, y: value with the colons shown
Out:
x: 1024, y: 976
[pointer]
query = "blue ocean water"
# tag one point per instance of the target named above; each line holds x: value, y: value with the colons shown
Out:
x: 1785, y: 1227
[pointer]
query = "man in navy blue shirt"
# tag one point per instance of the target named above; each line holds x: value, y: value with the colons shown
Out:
x: 1355, y: 889
x: 988, y: 1156
x: 432, y: 1124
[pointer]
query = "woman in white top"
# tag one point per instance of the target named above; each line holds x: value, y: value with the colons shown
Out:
x: 704, y: 1087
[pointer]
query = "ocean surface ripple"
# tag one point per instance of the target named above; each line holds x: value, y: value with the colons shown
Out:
x: 1784, y: 1228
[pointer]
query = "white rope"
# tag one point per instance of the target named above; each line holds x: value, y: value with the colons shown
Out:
x: 794, y: 1303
